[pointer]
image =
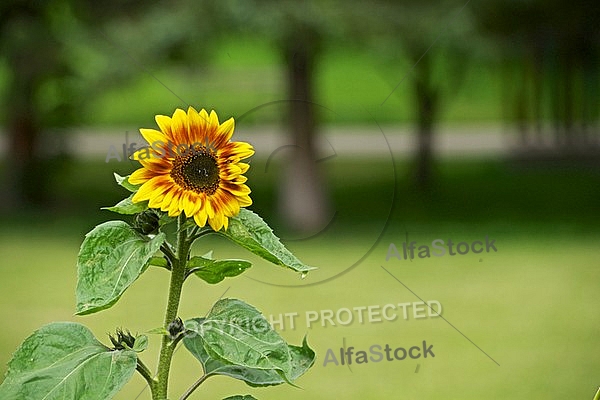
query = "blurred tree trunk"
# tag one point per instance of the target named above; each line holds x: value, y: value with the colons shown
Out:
x: 30, y: 54
x: 303, y: 202
x: 427, y: 106
x: 24, y: 188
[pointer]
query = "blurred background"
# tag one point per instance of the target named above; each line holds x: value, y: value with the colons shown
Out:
x: 373, y: 122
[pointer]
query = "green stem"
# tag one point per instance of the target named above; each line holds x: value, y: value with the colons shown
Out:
x: 198, y: 234
x: 145, y: 372
x: 195, y: 386
x: 166, y: 249
x: 161, y: 384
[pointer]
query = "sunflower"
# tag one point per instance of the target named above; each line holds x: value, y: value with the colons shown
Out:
x: 191, y: 166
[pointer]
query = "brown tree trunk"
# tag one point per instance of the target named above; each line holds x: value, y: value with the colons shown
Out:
x: 427, y: 101
x: 32, y: 55
x: 24, y: 178
x: 303, y: 202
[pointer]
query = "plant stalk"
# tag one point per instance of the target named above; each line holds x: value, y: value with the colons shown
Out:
x: 195, y: 386
x: 161, y: 384
x: 144, y: 371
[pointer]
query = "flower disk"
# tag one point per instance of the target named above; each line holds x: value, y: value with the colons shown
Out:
x: 192, y: 166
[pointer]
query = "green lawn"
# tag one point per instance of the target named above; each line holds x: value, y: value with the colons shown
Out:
x: 532, y: 306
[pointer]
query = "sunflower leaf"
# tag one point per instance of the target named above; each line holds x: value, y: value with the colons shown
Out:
x: 127, y: 206
x: 250, y: 350
x: 236, y: 334
x: 241, y: 397
x: 112, y: 256
x: 63, y: 360
x: 214, y: 271
x: 124, y: 182
x: 303, y: 357
x: 250, y: 231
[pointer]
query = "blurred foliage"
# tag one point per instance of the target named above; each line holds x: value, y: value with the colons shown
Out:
x: 65, y: 63
x: 549, y: 53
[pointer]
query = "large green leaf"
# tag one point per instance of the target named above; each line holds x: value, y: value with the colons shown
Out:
x: 237, y: 333
x: 214, y: 271
x: 63, y: 361
x: 302, y: 358
x: 237, y: 341
x: 250, y: 231
x: 127, y: 206
x: 111, y: 258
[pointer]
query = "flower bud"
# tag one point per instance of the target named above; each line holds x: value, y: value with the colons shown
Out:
x: 146, y: 222
x: 175, y: 328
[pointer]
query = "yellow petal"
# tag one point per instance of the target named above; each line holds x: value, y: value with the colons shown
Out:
x: 200, y: 218
x: 243, y: 166
x: 228, y: 203
x: 180, y: 127
x: 197, y: 132
x: 209, y: 209
x: 224, y: 132
x: 236, y: 151
x: 244, y: 201
x: 174, y: 209
x: 213, y: 119
x: 147, y: 189
x: 156, y: 201
x: 168, y: 199
x: 191, y: 203
x: 140, y: 176
x: 238, y: 190
x: 152, y: 136
x: 225, y: 222
x: 164, y: 123
x: 217, y: 222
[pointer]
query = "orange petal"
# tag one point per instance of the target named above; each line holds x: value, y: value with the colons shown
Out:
x: 140, y: 176
x: 147, y: 190
x: 224, y: 133
x: 174, y: 208
x: 180, y: 127
x: 191, y: 203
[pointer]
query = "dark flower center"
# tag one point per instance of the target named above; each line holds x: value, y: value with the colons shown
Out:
x: 197, y: 170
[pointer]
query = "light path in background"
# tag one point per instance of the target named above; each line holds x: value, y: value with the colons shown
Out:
x: 469, y: 141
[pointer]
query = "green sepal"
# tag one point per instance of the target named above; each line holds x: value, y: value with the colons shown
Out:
x: 141, y: 343
x: 128, y: 207
x: 159, y: 262
x: 158, y: 331
x: 124, y: 182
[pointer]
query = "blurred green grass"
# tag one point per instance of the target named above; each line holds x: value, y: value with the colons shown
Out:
x: 531, y: 306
